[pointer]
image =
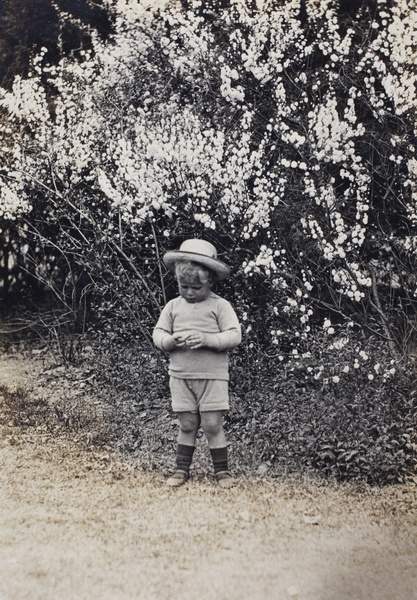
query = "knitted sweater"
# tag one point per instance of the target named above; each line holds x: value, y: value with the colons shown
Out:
x: 213, y: 316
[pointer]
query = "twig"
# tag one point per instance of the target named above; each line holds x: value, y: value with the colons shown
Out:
x: 136, y: 272
x: 378, y: 307
x: 159, y: 263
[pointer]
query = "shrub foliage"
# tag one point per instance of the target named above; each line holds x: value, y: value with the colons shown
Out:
x: 284, y: 134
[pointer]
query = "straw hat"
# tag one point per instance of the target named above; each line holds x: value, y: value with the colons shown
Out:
x: 198, y: 251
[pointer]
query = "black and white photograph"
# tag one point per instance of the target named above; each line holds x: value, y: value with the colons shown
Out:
x: 208, y: 299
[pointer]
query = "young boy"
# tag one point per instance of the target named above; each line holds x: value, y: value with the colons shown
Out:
x: 197, y: 329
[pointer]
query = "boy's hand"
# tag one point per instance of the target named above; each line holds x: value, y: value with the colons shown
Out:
x: 172, y: 342
x: 179, y: 339
x: 196, y: 339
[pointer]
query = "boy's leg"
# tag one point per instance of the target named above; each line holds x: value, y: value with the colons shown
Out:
x: 189, y: 424
x: 212, y: 424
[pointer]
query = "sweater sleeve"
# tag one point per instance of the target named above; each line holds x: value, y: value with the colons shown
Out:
x: 230, y: 334
x: 164, y: 328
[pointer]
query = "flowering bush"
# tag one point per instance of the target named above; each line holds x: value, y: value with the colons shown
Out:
x: 284, y: 136
x: 330, y: 409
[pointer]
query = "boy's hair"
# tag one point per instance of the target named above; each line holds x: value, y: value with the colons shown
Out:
x: 194, y: 273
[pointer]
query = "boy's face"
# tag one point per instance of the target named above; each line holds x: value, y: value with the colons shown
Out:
x: 193, y: 291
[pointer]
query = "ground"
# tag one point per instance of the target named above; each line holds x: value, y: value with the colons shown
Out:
x: 81, y: 523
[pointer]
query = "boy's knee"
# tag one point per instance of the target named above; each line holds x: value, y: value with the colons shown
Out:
x: 189, y: 422
x: 212, y: 422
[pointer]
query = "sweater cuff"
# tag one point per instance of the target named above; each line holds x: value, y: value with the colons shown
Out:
x: 215, y: 343
x: 164, y: 341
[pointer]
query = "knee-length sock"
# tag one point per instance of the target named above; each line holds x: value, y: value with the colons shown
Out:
x: 184, y: 457
x: 220, y: 459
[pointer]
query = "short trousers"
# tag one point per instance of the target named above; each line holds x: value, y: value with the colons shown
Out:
x: 199, y: 395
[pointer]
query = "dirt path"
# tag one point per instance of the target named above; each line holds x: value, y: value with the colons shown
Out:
x: 80, y: 525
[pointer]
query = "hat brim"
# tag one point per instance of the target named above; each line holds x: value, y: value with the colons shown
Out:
x: 222, y: 271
